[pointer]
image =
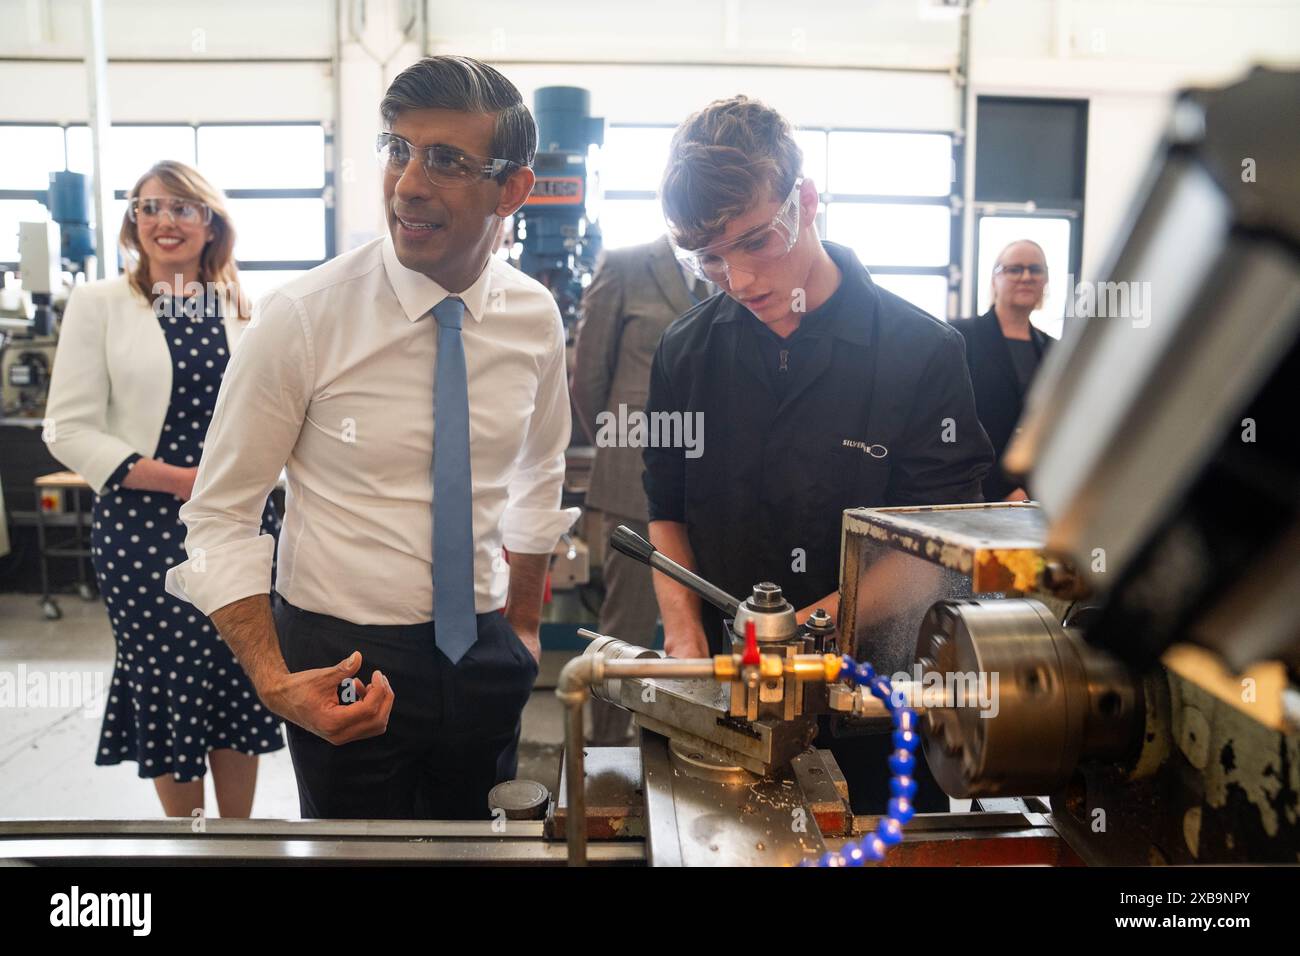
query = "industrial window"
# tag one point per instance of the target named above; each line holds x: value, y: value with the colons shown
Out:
x: 887, y: 196
x: 1054, y: 234
x: 1029, y: 184
x: 275, y: 176
x: 27, y: 155
x: 884, y: 194
x: 632, y: 163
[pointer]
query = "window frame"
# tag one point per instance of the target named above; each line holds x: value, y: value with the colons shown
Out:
x: 41, y: 196
x: 950, y: 272
x: 1037, y: 206
x: 324, y: 192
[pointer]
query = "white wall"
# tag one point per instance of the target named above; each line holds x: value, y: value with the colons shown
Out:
x: 142, y: 92
x: 42, y: 76
x: 1126, y: 59
x: 820, y: 63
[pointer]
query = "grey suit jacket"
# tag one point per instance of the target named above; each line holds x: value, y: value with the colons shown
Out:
x: 634, y: 296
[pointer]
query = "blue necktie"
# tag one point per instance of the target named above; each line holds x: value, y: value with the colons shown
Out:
x: 455, y: 629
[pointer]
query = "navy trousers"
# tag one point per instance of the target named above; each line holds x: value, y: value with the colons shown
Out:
x: 453, y: 733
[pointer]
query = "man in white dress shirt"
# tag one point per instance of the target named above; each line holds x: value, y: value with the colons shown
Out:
x: 394, y: 711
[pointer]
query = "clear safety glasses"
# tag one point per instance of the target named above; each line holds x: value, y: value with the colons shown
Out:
x: 187, y: 212
x: 445, y: 166
x: 764, y: 243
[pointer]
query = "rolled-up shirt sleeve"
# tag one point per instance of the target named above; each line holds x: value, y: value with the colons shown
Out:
x: 664, y: 478
x: 259, y: 413
x: 533, y: 520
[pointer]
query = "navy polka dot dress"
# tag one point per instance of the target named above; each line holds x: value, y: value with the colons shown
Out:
x: 177, y: 691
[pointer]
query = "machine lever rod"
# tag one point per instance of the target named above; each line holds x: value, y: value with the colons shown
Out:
x: 627, y: 541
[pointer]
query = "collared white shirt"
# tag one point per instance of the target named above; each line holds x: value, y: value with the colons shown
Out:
x: 334, y: 382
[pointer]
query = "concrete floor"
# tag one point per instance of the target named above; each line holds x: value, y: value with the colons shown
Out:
x: 47, y: 767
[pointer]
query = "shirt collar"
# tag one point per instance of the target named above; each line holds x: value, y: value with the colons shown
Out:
x: 418, y: 294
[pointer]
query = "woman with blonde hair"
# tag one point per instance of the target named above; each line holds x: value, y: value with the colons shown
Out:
x: 1003, y: 352
x: 135, y: 381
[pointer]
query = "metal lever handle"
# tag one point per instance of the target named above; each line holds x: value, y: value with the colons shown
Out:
x: 627, y: 541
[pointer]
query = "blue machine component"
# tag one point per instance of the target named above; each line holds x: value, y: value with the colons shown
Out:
x: 560, y: 243
x: 902, y: 764
x: 69, y: 202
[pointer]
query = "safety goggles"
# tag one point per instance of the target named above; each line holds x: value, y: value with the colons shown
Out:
x: 186, y: 212
x: 445, y: 166
x: 764, y: 243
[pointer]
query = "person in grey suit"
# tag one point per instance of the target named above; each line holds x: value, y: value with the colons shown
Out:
x: 636, y: 293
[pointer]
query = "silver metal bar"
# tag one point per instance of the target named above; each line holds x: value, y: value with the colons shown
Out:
x: 971, y: 820
x: 97, y: 89
x: 628, y: 542
x: 281, y: 829
x: 575, y: 738
x: 662, y: 844
x: 202, y: 848
x: 660, y: 667
x: 719, y: 598
x: 966, y: 132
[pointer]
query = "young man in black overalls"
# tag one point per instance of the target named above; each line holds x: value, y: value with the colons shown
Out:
x: 818, y: 391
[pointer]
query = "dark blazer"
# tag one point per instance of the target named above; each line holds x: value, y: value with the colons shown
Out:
x: 634, y: 296
x: 998, y: 400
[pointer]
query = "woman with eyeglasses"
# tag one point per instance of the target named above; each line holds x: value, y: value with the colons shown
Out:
x: 1004, y: 350
x: 136, y: 376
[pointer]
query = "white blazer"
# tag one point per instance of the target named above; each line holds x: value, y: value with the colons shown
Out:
x: 112, y: 379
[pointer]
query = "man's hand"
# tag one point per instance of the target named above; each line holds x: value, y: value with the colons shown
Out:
x: 307, y: 698
x: 679, y: 607
x: 1018, y: 495
x: 686, y: 643
x: 310, y: 699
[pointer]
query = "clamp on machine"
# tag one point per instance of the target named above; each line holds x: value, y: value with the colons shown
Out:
x: 725, y: 740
